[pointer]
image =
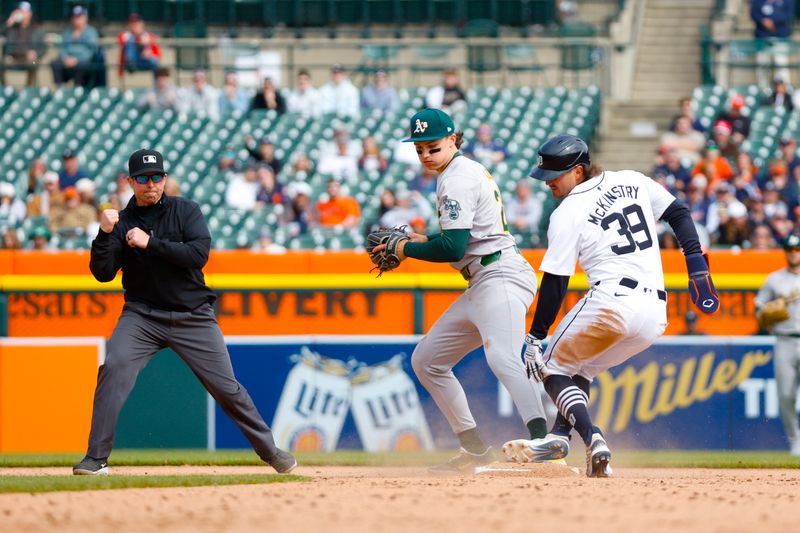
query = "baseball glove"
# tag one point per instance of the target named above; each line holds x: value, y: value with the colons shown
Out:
x: 386, y: 259
x: 773, y: 312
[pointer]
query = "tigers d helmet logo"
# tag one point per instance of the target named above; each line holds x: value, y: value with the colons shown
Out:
x: 149, y: 159
x: 451, y: 207
x: 421, y: 126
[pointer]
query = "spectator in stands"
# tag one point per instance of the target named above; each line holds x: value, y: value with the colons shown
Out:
x: 269, y: 97
x: 36, y: 171
x: 738, y: 121
x: 270, y: 191
x: 227, y: 160
x: 424, y: 180
x: 163, y: 95
x: 70, y: 171
x: 781, y: 226
x: 773, y: 20
x: 744, y: 180
x: 11, y: 239
x: 672, y: 174
x: 449, y: 96
x: 409, y: 207
x: 380, y: 95
x: 123, y: 193
x: 242, y: 189
x: 200, y: 98
x: 233, y: 98
x: 301, y: 166
x: 24, y: 43
x: 718, y: 210
x: 73, y: 217
x: 722, y: 136
x: 524, y: 212
x: 774, y: 205
x: 138, y: 47
x: 87, y: 190
x: 40, y: 203
x: 486, y: 149
x: 78, y: 49
x: 304, y: 99
x: 339, y: 95
x: 266, y: 243
x: 685, y: 140
x: 685, y: 105
x: 299, y: 216
x: 713, y: 166
x: 697, y: 200
x: 342, y: 164
x: 172, y: 187
x: 338, y: 209
x: 788, y: 146
x: 264, y: 152
x: 371, y: 158
x: 781, y: 96
x: 387, y: 201
x: 761, y: 238
x: 734, y: 229
x: 40, y: 239
x: 12, y: 209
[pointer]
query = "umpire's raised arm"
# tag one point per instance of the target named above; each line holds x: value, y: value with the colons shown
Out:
x: 106, y: 255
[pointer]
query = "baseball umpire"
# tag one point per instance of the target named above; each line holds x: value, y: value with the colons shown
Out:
x: 778, y: 309
x: 161, y: 243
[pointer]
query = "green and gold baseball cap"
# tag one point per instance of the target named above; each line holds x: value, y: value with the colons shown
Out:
x: 429, y: 125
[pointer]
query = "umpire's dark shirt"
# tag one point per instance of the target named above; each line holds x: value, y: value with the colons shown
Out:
x: 168, y: 273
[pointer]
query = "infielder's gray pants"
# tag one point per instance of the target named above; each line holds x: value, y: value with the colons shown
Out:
x: 196, y: 338
x: 787, y: 378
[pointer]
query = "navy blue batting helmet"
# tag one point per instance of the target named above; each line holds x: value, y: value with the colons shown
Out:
x: 558, y: 155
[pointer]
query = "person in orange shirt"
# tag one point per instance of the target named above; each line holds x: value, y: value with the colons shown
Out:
x: 338, y: 210
x: 713, y: 166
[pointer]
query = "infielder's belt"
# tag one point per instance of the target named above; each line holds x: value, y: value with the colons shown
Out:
x: 632, y: 284
x: 485, y: 261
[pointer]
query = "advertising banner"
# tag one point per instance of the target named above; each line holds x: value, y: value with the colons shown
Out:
x: 329, y: 392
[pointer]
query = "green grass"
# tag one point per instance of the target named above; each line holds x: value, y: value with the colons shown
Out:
x: 622, y: 458
x: 74, y: 483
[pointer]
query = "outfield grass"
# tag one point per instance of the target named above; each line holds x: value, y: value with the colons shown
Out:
x: 32, y: 484
x: 622, y: 458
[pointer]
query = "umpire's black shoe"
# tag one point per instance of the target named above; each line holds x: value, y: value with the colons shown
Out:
x: 283, y: 462
x: 464, y: 463
x: 90, y: 466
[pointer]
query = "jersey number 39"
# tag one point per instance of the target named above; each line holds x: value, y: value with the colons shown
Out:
x: 629, y: 229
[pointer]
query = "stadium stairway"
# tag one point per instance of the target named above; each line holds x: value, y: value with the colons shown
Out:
x: 667, y: 68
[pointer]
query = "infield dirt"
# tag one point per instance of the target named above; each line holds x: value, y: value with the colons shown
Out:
x: 395, y: 499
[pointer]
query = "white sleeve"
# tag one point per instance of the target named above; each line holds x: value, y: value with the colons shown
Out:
x: 457, y: 202
x: 563, y: 246
x: 765, y: 293
x: 660, y: 198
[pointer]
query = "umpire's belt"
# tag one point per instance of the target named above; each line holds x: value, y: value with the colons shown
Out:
x: 632, y: 284
x: 477, y: 266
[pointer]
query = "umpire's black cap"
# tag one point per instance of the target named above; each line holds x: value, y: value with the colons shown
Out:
x: 145, y: 161
x: 558, y: 155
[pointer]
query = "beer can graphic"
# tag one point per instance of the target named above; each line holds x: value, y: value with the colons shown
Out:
x: 387, y: 410
x: 313, y: 404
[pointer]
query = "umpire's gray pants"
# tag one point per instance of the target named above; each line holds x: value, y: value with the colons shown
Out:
x: 196, y: 338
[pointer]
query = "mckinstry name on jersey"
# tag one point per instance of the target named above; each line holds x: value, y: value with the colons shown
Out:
x: 606, y: 201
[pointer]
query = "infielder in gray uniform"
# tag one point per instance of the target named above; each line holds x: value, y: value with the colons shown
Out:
x: 475, y: 240
x: 784, y: 285
x: 161, y: 244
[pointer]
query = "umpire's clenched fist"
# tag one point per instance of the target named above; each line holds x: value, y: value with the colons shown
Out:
x: 108, y: 219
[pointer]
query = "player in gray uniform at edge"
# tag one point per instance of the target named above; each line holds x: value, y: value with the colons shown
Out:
x: 606, y: 221
x: 475, y: 240
x: 785, y: 283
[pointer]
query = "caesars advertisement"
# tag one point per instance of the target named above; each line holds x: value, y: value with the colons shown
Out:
x: 360, y: 393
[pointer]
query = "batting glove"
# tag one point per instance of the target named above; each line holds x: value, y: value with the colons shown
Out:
x: 701, y: 289
x: 534, y: 363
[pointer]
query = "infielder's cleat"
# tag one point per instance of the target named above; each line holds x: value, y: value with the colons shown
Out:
x: 283, y: 462
x: 598, y: 457
x: 464, y: 463
x: 90, y: 466
x: 549, y: 448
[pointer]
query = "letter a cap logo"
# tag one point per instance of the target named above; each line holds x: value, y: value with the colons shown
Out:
x: 429, y: 125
